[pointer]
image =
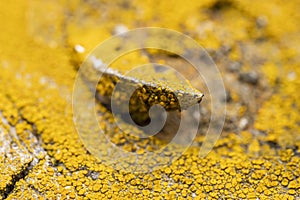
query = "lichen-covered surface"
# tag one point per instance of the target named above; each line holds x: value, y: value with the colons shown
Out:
x: 255, y: 44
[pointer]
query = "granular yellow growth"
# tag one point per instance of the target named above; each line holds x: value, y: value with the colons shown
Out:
x: 41, y: 155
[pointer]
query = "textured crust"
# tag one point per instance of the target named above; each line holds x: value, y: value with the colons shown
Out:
x: 257, y: 156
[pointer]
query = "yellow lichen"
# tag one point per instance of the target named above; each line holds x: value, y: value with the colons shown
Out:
x: 41, y: 154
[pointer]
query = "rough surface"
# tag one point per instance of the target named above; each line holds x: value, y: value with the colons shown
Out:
x: 256, y: 45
